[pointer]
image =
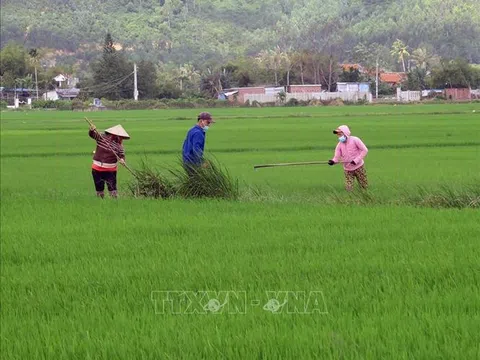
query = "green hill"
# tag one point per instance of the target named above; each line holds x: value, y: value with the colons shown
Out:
x: 199, y: 31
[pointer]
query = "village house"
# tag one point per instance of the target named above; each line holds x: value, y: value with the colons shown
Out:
x: 240, y: 94
x: 61, y: 94
x: 353, y: 86
x: 458, y: 94
x: 65, y: 88
x: 17, y: 96
x: 65, y: 81
x: 394, y: 79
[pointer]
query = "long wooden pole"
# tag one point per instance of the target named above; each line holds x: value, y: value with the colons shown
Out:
x: 291, y: 164
x: 295, y: 164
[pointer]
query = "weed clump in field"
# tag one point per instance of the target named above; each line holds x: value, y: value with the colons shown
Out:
x: 211, y: 181
x: 336, y: 102
x: 149, y: 182
x: 446, y: 197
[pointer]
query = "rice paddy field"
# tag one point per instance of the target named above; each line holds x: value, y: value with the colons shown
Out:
x: 295, y: 268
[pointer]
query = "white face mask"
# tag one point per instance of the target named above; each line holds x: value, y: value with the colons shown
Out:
x: 205, y: 128
x: 342, y: 138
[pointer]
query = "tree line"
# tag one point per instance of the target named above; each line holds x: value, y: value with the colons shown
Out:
x: 110, y: 76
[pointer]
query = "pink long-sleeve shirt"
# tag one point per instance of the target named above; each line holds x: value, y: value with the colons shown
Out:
x: 351, y: 150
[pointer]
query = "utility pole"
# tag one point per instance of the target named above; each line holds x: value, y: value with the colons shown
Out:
x: 135, y: 90
x: 376, y: 82
x: 36, y: 80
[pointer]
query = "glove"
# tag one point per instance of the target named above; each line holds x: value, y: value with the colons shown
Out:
x: 353, y: 162
x: 331, y: 162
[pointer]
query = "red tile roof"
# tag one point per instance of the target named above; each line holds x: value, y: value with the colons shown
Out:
x: 392, y: 78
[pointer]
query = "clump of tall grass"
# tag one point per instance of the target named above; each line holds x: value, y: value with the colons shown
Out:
x: 446, y: 196
x: 208, y: 181
x: 150, y: 182
x: 356, y: 197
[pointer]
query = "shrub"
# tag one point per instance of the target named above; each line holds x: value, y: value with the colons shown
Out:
x: 151, y: 183
x: 446, y: 197
x: 77, y: 104
x: 52, y: 104
x: 336, y: 102
x: 43, y: 104
x: 292, y: 102
x: 63, y: 105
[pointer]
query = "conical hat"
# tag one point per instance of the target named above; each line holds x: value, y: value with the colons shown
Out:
x: 118, y: 130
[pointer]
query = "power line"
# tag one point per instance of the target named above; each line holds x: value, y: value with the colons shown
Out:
x: 106, y: 86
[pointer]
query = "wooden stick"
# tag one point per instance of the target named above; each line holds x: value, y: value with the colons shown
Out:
x: 118, y: 158
x: 291, y: 164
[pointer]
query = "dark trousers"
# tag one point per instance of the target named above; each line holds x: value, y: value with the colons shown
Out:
x: 102, y: 177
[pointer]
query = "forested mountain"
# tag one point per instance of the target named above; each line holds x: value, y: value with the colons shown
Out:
x: 216, y: 31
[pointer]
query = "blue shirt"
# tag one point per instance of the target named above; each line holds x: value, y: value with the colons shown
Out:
x: 193, y: 146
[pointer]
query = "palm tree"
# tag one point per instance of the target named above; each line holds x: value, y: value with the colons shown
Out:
x: 424, y: 59
x: 35, y: 56
x: 187, y: 73
x: 400, y: 50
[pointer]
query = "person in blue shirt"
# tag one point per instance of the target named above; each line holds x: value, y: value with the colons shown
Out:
x: 194, y: 143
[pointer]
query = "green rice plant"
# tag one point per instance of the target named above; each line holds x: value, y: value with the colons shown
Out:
x: 81, y: 276
x: 355, y: 197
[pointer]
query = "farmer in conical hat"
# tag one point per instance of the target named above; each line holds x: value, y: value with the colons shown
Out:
x: 109, y: 151
x: 351, y: 151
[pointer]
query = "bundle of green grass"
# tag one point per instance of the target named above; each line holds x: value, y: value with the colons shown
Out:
x: 208, y: 181
x: 151, y: 183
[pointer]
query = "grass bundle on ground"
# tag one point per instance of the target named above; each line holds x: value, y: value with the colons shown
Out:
x: 208, y: 181
x: 149, y: 182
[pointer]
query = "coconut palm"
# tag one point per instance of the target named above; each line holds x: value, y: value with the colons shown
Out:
x: 424, y: 59
x: 187, y: 73
x: 400, y: 51
x: 35, y: 58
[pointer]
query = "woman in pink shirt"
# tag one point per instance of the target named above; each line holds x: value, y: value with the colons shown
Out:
x: 350, y: 151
